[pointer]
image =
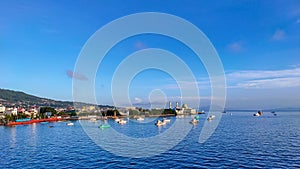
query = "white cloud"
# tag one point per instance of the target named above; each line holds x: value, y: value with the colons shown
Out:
x: 235, y: 47
x: 271, y: 83
x: 137, y: 100
x: 278, y: 35
x: 265, y: 78
x: 250, y: 79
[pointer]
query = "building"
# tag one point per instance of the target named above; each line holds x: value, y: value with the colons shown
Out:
x: 184, y: 109
x: 2, y: 109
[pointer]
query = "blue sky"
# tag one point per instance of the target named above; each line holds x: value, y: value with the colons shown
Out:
x: 258, y: 43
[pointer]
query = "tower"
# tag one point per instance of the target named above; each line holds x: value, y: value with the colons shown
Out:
x: 170, y: 105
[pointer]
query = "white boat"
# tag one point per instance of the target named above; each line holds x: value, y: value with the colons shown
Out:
x: 165, y: 120
x: 122, y: 121
x: 70, y: 124
x: 140, y: 119
x: 194, y: 121
x: 93, y: 119
x: 259, y: 113
x: 211, y: 117
x: 117, y: 120
x: 160, y: 123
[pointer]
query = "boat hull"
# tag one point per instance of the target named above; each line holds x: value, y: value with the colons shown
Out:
x: 53, y: 119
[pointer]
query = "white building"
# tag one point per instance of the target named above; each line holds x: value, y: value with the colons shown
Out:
x: 2, y: 109
x: 184, y: 110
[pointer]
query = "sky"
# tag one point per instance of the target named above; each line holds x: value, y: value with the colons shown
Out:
x: 258, y: 43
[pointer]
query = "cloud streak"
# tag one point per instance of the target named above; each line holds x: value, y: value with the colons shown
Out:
x: 255, y: 79
x: 265, y: 78
x: 235, y: 47
x: 279, y: 35
x: 74, y: 75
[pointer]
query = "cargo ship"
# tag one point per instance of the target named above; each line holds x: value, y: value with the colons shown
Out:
x: 30, y: 121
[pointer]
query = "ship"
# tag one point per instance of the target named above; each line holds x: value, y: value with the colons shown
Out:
x: 31, y: 121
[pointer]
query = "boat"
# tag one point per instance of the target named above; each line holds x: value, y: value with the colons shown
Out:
x: 50, y: 126
x: 93, y: 119
x: 211, y: 117
x: 117, y: 120
x: 259, y: 113
x: 201, y: 112
x: 165, y: 120
x: 103, y: 126
x: 122, y: 121
x: 160, y: 123
x: 140, y: 119
x: 31, y: 121
x: 194, y: 121
x: 70, y: 124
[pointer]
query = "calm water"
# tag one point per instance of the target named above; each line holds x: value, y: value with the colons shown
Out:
x: 240, y: 140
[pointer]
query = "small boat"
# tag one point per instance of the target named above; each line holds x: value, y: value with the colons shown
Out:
x: 211, y: 117
x: 103, y: 126
x: 117, y: 120
x: 160, y: 123
x: 93, y: 119
x: 259, y: 113
x: 70, y: 124
x: 122, y: 121
x: 140, y: 119
x: 201, y: 112
x: 165, y: 120
x: 194, y: 121
x: 50, y: 126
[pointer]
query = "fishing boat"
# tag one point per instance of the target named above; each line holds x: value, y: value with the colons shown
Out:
x: 201, y: 112
x: 259, y: 113
x: 122, y: 121
x: 211, y: 117
x: 140, y: 119
x: 70, y: 124
x: 165, y: 120
x: 194, y: 121
x: 160, y: 123
x: 103, y: 126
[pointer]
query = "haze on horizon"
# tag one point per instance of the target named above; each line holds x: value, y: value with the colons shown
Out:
x: 257, y: 42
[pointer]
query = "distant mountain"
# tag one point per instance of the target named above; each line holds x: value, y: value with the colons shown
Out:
x: 10, y: 97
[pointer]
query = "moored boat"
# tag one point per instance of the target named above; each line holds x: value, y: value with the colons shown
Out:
x: 31, y: 121
x: 122, y: 121
x: 194, y: 121
x: 211, y: 117
x: 70, y: 124
x: 103, y: 126
x: 140, y: 119
x: 259, y: 113
x: 160, y: 123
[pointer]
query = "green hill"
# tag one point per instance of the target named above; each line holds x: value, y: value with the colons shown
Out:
x: 10, y: 97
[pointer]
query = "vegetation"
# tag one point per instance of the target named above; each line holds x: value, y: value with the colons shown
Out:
x: 169, y: 111
x: 12, y: 117
x: 111, y: 113
x: 44, y: 110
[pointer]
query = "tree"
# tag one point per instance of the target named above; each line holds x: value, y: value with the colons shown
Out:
x: 43, y: 110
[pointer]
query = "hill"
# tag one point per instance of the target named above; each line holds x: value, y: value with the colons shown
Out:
x: 10, y: 97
